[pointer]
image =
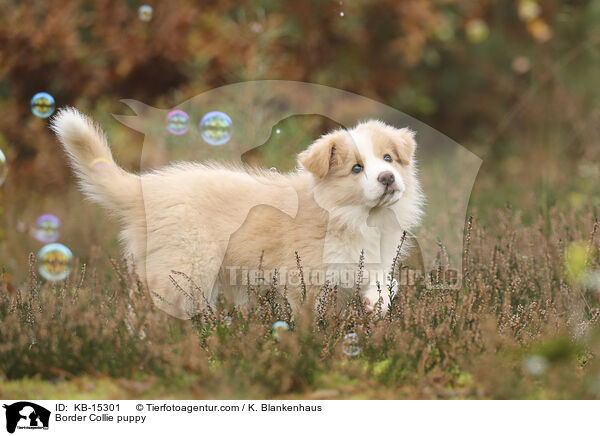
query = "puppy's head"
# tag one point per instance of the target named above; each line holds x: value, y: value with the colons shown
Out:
x: 371, y: 165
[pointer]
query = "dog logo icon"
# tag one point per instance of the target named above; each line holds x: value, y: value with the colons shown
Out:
x: 26, y: 415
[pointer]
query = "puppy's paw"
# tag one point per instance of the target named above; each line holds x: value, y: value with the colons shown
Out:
x: 373, y: 300
x: 369, y: 305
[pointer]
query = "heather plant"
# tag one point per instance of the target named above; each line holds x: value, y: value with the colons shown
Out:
x: 519, y: 327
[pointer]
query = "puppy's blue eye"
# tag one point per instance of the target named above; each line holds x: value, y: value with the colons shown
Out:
x: 357, y: 168
x: 387, y: 158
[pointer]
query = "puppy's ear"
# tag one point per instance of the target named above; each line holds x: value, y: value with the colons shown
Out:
x: 404, y: 144
x: 323, y: 154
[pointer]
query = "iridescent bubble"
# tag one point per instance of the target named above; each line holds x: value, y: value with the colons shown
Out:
x: 46, y: 228
x: 55, y: 262
x: 177, y: 122
x: 101, y: 168
x: 3, y: 168
x: 278, y: 328
x: 273, y: 169
x: 42, y: 105
x: 350, y: 345
x: 278, y: 131
x: 216, y: 128
x: 145, y: 13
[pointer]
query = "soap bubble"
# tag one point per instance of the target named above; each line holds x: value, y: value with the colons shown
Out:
x: 350, y: 345
x: 101, y: 168
x: 55, y: 262
x: 341, y: 14
x: 177, y: 122
x: 46, y: 228
x: 278, y: 328
x: 273, y: 169
x: 216, y: 128
x: 145, y: 13
x: 3, y: 168
x: 535, y: 365
x: 42, y: 105
x: 278, y: 131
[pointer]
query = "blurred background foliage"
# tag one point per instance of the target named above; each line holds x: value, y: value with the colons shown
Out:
x: 514, y: 82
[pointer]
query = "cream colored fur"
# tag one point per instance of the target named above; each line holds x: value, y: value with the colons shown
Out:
x: 213, y: 223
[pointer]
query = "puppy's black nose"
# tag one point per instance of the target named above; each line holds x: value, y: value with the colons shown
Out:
x: 386, y: 177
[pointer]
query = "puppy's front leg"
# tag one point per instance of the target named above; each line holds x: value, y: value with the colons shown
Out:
x: 379, y: 293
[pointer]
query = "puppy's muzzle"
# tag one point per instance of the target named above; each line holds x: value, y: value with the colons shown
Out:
x: 388, y: 180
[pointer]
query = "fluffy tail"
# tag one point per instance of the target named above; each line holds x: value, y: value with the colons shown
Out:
x: 100, y: 178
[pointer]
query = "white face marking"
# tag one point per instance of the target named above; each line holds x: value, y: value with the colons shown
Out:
x: 373, y: 166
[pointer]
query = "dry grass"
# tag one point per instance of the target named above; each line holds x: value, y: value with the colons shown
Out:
x: 522, y: 326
